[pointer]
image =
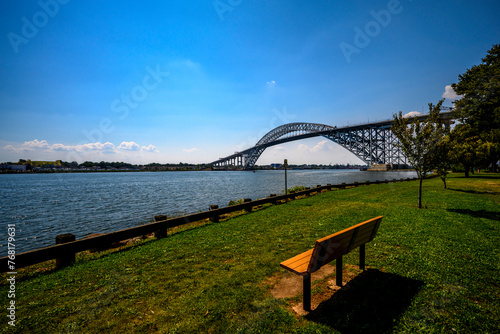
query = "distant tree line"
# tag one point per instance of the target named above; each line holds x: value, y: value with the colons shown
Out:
x: 120, y: 165
x: 102, y: 164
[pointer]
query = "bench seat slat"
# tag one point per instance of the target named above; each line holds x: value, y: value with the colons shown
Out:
x: 298, y: 264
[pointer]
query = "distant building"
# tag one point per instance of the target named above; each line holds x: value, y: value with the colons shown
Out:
x: 44, y: 164
x: 13, y: 167
x: 19, y: 168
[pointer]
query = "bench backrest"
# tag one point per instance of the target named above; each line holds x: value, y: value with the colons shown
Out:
x: 334, y: 246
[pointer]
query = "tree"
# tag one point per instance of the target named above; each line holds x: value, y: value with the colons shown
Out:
x: 441, y: 156
x: 479, y: 112
x: 87, y: 164
x: 418, y: 140
x: 465, y: 147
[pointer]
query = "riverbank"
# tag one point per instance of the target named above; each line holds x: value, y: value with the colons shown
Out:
x: 178, y: 169
x: 218, y: 277
x: 44, y: 206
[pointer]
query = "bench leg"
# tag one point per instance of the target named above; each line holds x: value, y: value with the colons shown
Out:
x: 339, y: 271
x: 362, y: 257
x: 307, y: 292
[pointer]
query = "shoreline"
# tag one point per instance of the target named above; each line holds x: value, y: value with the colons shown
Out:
x: 190, y: 170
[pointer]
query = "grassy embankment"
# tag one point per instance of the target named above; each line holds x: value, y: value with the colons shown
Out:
x: 433, y: 270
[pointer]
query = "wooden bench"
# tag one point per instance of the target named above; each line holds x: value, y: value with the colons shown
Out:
x: 330, y: 248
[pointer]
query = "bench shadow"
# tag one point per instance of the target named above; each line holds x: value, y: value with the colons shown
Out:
x: 493, y: 215
x: 372, y: 303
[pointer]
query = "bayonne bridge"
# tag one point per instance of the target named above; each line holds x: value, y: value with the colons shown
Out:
x: 373, y: 143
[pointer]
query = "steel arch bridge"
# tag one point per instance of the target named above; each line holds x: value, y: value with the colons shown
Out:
x: 373, y: 143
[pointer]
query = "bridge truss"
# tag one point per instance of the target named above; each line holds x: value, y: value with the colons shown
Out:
x: 373, y: 143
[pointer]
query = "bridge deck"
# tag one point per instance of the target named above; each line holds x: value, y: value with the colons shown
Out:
x: 371, y: 142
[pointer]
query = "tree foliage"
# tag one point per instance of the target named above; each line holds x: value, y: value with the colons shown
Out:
x: 418, y: 141
x: 477, y: 137
x: 442, y: 155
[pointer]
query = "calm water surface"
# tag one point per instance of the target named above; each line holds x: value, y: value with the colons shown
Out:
x: 45, y: 205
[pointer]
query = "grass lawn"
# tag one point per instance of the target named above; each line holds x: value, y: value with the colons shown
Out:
x: 436, y: 269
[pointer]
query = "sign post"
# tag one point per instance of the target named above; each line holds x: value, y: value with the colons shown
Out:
x: 286, y: 185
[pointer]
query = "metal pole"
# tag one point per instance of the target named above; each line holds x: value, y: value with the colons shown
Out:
x: 306, y: 298
x: 286, y: 184
x: 362, y: 257
x: 338, y: 274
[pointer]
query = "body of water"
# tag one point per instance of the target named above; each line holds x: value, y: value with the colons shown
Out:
x: 45, y: 205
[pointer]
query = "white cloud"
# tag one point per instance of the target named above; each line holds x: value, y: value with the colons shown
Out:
x: 89, y: 147
x: 276, y: 150
x: 279, y: 148
x: 321, y: 146
x: 190, y: 150
x: 129, y: 146
x: 96, y: 147
x: 271, y: 83
x: 10, y: 148
x: 450, y: 94
x: 30, y: 145
x: 303, y: 147
x: 186, y: 63
x: 126, y: 151
x: 46, y: 147
x: 412, y: 114
x: 149, y: 148
x: 61, y: 147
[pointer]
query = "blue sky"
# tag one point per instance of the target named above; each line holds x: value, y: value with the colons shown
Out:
x: 192, y: 81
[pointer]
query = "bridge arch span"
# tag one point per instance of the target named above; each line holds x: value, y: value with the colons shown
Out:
x: 292, y: 129
x: 373, y: 143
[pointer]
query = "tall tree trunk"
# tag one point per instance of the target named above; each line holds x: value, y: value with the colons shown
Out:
x: 420, y: 179
x: 444, y: 181
x: 467, y: 171
x: 494, y: 166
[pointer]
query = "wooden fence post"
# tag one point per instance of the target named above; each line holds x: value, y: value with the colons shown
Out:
x: 273, y: 195
x: 161, y: 233
x: 69, y: 257
x: 215, y: 218
x: 249, y: 208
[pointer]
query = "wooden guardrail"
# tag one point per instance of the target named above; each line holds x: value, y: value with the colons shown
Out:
x: 64, y: 252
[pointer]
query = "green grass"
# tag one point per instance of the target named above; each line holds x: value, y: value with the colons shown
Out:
x: 432, y: 270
